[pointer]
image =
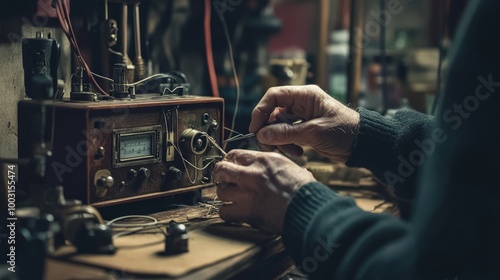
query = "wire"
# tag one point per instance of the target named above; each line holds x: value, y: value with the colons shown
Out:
x: 139, y: 229
x: 171, y: 91
x: 102, y: 77
x: 238, y: 93
x: 235, y: 131
x: 177, y: 149
x: 115, y: 52
x: 153, y: 76
x: 212, y: 140
x: 209, y: 51
x: 113, y: 223
x: 63, y: 15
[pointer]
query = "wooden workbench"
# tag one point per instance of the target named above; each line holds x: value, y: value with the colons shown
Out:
x: 237, y: 251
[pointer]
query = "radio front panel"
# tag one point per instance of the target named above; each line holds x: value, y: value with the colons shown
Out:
x: 113, y: 152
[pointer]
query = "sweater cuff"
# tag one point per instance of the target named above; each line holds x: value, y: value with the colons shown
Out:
x: 301, y: 211
x: 375, y: 140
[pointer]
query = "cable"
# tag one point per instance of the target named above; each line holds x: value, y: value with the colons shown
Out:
x: 177, y: 149
x: 153, y: 76
x: 115, y: 52
x: 139, y: 229
x: 63, y: 15
x: 171, y: 91
x: 212, y: 140
x: 209, y: 51
x: 238, y: 93
x: 113, y: 223
x: 102, y: 77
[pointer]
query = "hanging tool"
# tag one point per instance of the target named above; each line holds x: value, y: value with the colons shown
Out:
x: 126, y: 58
x: 140, y: 67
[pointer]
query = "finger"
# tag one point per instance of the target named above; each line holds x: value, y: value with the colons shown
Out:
x: 244, y: 157
x: 298, y: 100
x: 267, y: 148
x: 282, y: 134
x: 291, y: 149
x: 241, y: 157
x: 274, y: 97
x: 281, y: 115
x: 227, y: 172
x: 230, y: 192
x: 234, y: 213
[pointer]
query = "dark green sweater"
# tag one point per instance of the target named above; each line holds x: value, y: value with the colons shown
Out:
x: 453, y: 228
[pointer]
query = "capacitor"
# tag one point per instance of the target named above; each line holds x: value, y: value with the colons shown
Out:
x: 120, y: 88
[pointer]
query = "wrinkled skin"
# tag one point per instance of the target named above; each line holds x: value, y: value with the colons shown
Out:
x: 261, y: 185
x: 328, y: 126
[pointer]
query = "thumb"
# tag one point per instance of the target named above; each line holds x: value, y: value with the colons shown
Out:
x: 281, y: 134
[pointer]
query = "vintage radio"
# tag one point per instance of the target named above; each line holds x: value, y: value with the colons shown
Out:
x: 116, y: 151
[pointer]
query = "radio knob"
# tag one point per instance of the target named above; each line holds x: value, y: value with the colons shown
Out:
x: 174, y: 174
x: 144, y: 173
x: 106, y: 181
x: 132, y: 173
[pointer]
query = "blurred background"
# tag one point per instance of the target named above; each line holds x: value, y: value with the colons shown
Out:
x: 379, y: 54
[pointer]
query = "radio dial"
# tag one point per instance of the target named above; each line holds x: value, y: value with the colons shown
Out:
x: 144, y: 173
x: 132, y: 173
x: 174, y: 174
x: 106, y: 181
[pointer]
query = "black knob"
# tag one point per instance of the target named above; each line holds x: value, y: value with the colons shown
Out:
x: 100, y: 153
x: 132, y: 173
x: 174, y: 174
x: 144, y: 173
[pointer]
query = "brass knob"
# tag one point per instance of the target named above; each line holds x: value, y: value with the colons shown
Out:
x: 106, y: 181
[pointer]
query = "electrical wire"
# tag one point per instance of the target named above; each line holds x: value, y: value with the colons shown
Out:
x: 103, y: 77
x: 184, y: 161
x: 175, y: 147
x: 115, y: 52
x: 151, y: 77
x: 113, y: 223
x: 235, y: 75
x: 171, y: 91
x: 63, y: 14
x: 139, y: 229
x: 212, y: 140
x: 209, y: 51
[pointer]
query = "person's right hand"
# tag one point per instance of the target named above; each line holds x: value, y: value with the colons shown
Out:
x: 327, y: 125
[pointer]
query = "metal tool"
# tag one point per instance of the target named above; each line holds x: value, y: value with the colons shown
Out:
x: 140, y: 66
x: 240, y: 137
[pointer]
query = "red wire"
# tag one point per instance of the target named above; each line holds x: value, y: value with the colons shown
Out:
x: 63, y: 15
x: 209, y: 51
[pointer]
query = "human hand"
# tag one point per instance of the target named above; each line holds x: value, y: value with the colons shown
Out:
x: 328, y: 126
x: 260, y: 185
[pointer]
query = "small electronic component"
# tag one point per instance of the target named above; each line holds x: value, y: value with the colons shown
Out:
x: 176, y: 241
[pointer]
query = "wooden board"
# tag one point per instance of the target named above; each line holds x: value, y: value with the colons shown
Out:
x: 142, y: 254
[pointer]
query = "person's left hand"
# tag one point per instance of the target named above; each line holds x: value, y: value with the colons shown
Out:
x: 260, y: 185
